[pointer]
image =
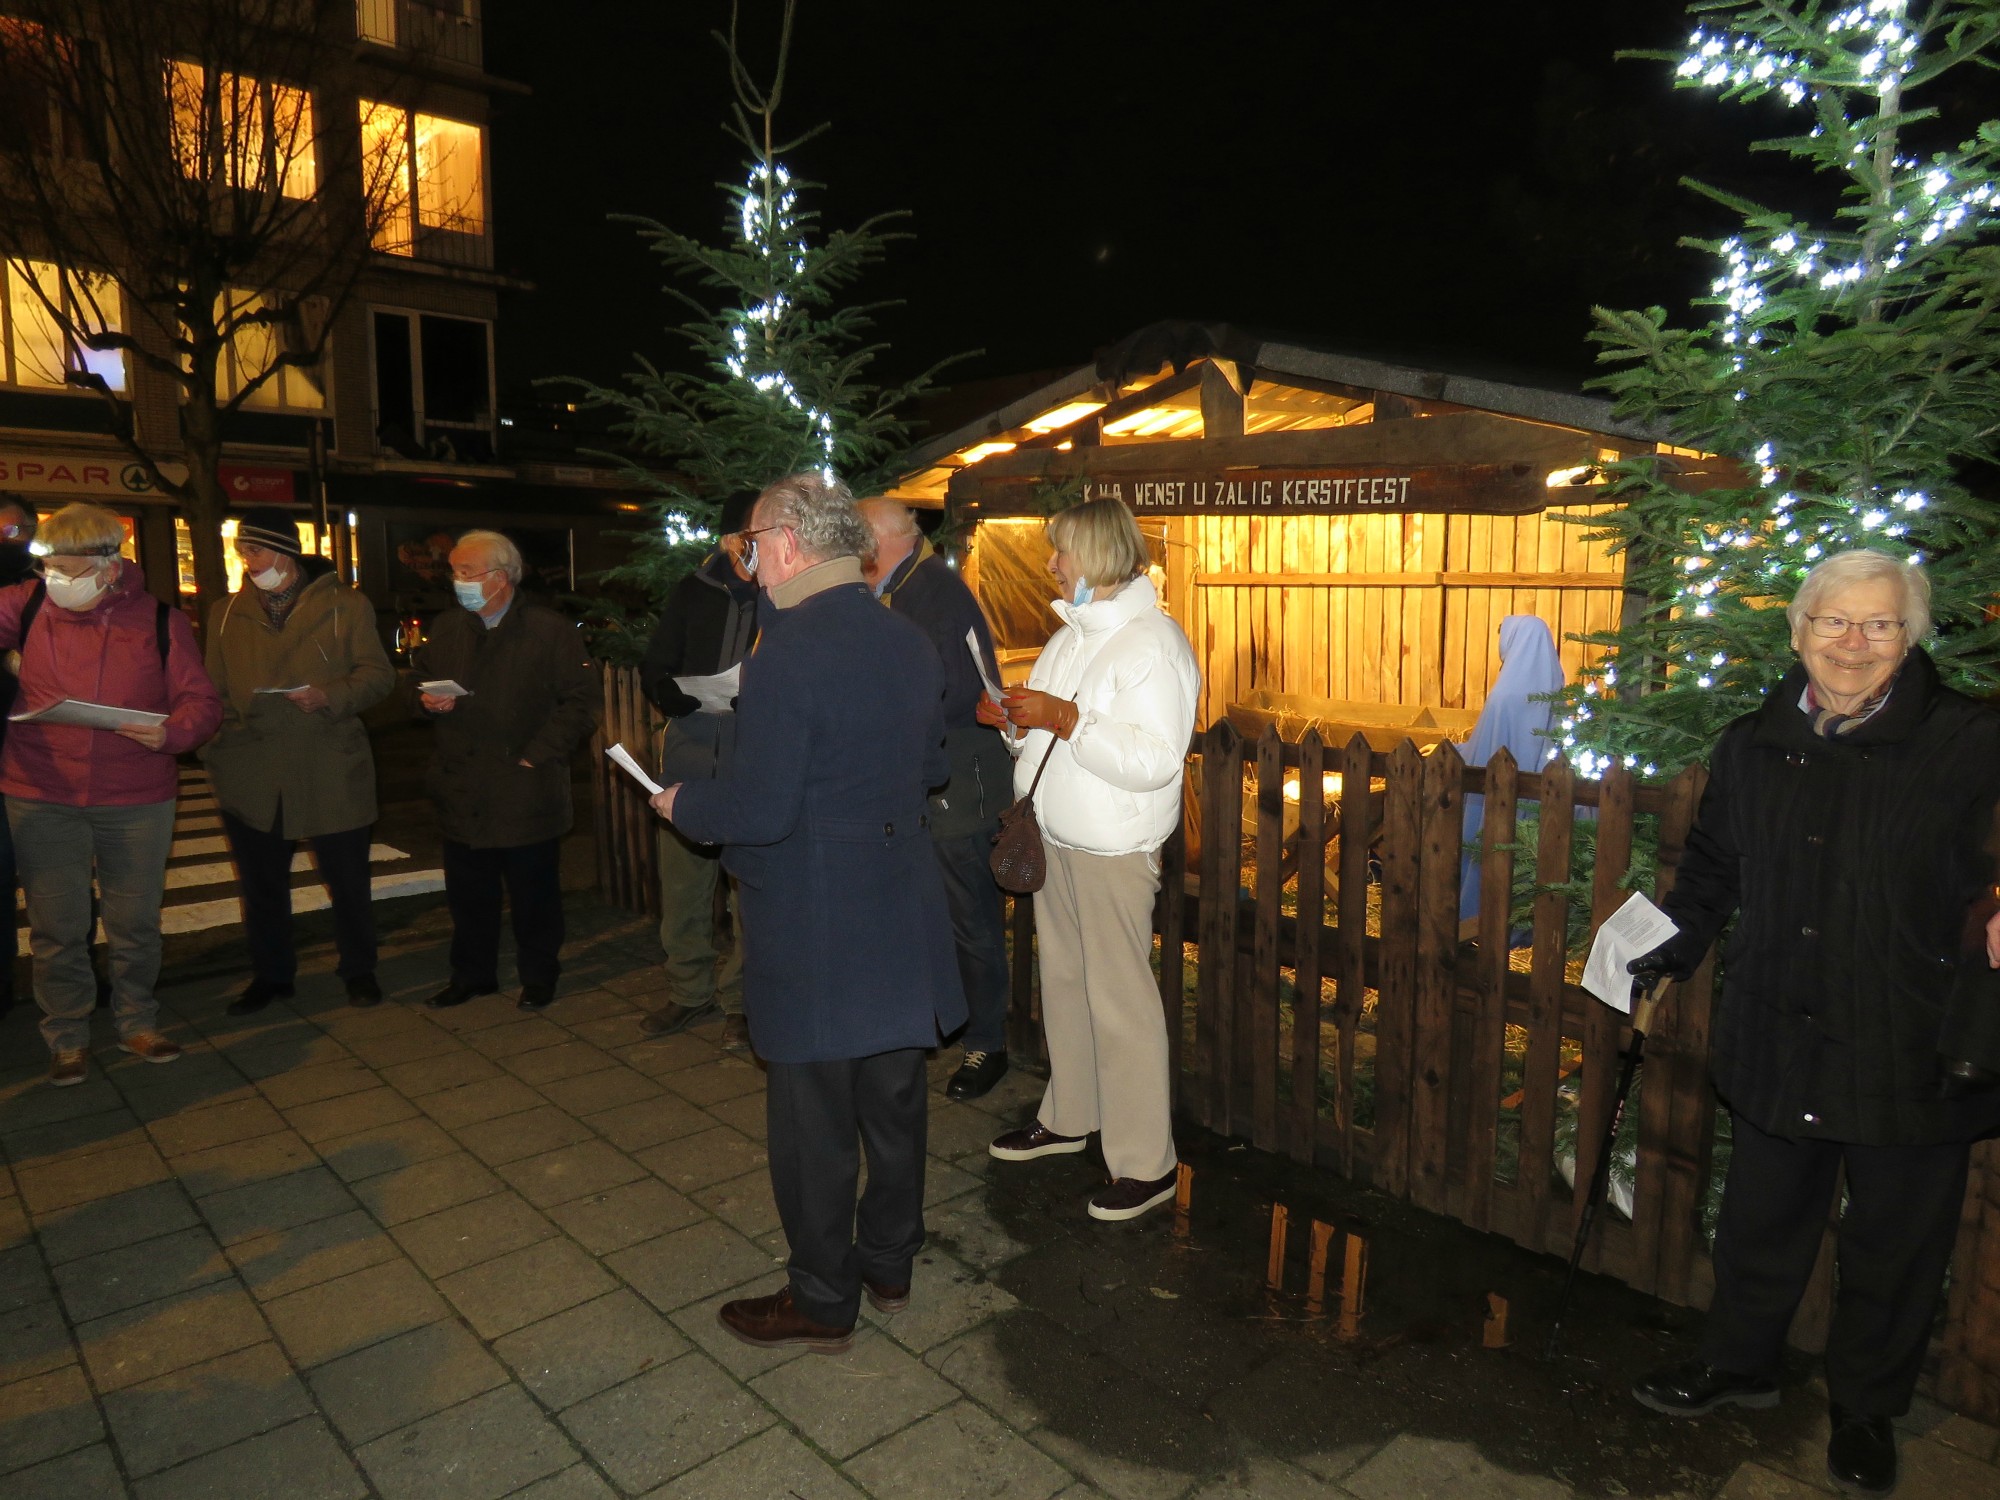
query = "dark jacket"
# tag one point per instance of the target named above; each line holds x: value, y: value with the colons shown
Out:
x: 847, y: 940
x: 534, y: 697
x: 707, y: 626
x: 17, y: 565
x: 929, y: 594
x: 1854, y: 863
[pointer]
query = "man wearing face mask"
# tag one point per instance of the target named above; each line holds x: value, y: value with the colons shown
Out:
x: 500, y: 774
x: 17, y: 563
x: 83, y: 801
x: 297, y: 659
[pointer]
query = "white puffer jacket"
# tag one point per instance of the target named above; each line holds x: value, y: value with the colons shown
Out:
x: 1114, y: 786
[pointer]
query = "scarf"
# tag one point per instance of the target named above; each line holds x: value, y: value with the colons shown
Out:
x: 1826, y: 723
x: 278, y: 602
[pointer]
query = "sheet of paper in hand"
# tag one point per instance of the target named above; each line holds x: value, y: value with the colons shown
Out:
x: 88, y: 715
x: 715, y: 693
x: 1636, y: 928
x: 979, y: 660
x: 299, y: 689
x: 622, y: 758
x: 444, y: 687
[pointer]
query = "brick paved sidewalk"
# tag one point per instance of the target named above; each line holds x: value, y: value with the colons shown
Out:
x: 475, y: 1253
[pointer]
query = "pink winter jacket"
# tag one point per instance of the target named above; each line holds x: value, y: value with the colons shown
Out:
x: 107, y: 654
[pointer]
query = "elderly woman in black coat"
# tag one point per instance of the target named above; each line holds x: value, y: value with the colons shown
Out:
x: 1846, y: 826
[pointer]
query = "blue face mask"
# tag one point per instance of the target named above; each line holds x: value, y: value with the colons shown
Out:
x: 1084, y: 593
x: 471, y: 593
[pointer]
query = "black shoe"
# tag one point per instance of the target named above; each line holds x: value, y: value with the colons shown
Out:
x: 976, y: 1075
x: 257, y: 994
x: 536, y: 996
x: 1691, y: 1388
x: 1861, y: 1454
x: 673, y: 1017
x: 363, y: 991
x: 457, y: 994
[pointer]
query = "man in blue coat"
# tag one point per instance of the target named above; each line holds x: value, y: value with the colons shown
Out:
x: 840, y: 734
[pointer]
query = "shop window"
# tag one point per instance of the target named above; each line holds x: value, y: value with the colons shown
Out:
x: 38, y: 351
x: 312, y: 542
x: 433, y: 387
x: 421, y: 173
x: 253, y: 350
x: 247, y: 132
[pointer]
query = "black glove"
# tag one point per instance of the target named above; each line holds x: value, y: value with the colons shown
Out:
x: 1668, y: 961
x: 1960, y: 1079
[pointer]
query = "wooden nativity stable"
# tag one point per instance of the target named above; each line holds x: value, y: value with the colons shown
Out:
x: 1339, y: 536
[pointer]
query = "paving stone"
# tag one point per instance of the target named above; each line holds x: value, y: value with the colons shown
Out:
x: 337, y: 1317
x: 472, y: 1015
x: 199, y: 1080
x: 648, y: 1122
x: 217, y: 1125
x: 967, y: 1229
x: 457, y: 1108
x: 298, y: 1462
x: 321, y: 1081
x: 464, y: 1236
x: 426, y: 1188
x: 23, y: 1281
x: 116, y: 1279
x: 665, y: 1054
x: 44, y: 1416
x: 260, y: 1061
x: 695, y: 1161
x: 330, y: 1118
x: 578, y: 1482
x: 957, y: 1454
x: 204, y: 1407
x: 570, y: 1171
x: 946, y: 1298
x: 48, y: 1186
x: 1933, y: 1468
x: 1411, y: 1467
x: 87, y: 1474
x: 498, y: 1296
x: 625, y: 1215
x: 273, y: 1265
x: 401, y: 1143
x: 140, y: 1343
x: 956, y: 1129
x: 978, y: 1364
x: 698, y: 1321
x: 121, y: 1219
x: 746, y: 1112
x: 487, y: 1447
x: 592, y: 1093
x: 689, y: 1264
x: 221, y: 1168
x: 564, y: 1060
x: 773, y: 1463
x: 662, y: 1423
x: 15, y: 1230
x: 413, y: 1044
x: 529, y: 1035
x: 587, y: 1349
x: 1261, y: 1478
x: 277, y: 1204
x: 711, y: 1083
x: 744, y: 1203
x: 59, y: 1140
x: 34, y: 1103
x: 591, y: 1005
x: 845, y: 1402
x: 529, y: 1133
x: 33, y: 1340
x: 453, y: 1069
x: 1755, y: 1482
x: 390, y: 1384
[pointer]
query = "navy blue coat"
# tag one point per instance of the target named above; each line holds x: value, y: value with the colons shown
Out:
x: 840, y: 730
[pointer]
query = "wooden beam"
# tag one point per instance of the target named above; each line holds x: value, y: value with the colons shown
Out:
x: 1221, y: 400
x: 1414, y: 580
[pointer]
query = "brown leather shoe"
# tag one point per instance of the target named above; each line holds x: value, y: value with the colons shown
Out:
x: 886, y: 1299
x: 772, y: 1321
x: 149, y: 1046
x: 735, y: 1034
x: 69, y: 1068
x: 1033, y: 1141
x: 673, y: 1018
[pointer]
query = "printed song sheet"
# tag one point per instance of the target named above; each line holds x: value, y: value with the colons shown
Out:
x: 622, y: 758
x: 717, y: 693
x: 89, y: 715
x: 1636, y: 928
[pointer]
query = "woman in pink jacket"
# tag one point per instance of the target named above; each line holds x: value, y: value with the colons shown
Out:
x: 79, y: 798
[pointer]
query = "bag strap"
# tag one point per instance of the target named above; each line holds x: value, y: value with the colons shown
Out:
x: 31, y: 608
x: 1041, y: 768
x: 161, y: 640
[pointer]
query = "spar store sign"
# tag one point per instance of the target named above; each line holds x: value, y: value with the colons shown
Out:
x: 76, y: 476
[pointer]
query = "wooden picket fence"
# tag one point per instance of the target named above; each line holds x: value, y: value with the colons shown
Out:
x: 627, y: 832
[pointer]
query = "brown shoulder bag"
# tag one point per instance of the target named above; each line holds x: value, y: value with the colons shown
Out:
x: 1020, y: 864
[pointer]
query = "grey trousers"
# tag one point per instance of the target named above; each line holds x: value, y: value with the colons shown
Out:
x: 57, y: 848
x: 688, y: 874
x: 1101, y: 1008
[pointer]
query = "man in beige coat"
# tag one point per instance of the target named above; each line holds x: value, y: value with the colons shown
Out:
x: 297, y: 659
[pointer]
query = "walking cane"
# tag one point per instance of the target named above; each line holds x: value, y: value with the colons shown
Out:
x: 1600, y: 1178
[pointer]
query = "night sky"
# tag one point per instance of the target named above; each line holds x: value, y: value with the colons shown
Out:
x: 1426, y: 180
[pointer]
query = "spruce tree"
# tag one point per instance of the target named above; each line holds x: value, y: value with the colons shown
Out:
x: 1851, y: 367
x: 778, y: 370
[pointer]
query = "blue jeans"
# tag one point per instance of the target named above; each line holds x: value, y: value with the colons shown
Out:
x: 979, y: 929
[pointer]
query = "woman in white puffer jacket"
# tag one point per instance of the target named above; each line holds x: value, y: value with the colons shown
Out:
x: 1111, y: 704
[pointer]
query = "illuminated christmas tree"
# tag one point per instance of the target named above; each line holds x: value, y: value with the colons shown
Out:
x: 1851, y: 367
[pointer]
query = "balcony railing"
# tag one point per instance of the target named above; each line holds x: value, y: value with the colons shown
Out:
x: 444, y: 30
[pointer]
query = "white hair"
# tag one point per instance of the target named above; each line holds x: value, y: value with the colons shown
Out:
x: 820, y: 513
x: 506, y: 556
x: 1866, y: 565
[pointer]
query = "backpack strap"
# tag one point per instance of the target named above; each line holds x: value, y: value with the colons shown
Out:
x: 29, y: 610
x: 161, y: 639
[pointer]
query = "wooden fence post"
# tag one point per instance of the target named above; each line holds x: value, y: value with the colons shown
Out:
x: 1357, y: 829
x: 1489, y: 1026
x: 1307, y: 966
x: 1545, y: 995
x: 1436, y: 997
x: 1263, y: 1000
x: 1396, y: 995
x: 1601, y: 1024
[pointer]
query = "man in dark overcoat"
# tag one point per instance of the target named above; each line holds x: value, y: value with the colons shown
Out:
x: 849, y: 974
x: 909, y: 577
x: 500, y: 773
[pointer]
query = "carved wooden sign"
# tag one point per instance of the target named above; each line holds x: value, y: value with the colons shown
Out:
x: 1487, y: 489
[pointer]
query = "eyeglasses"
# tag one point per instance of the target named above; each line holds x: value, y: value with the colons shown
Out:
x: 1832, y: 626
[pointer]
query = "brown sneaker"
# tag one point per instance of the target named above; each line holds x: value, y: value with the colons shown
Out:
x: 69, y: 1068
x: 1128, y: 1197
x: 769, y: 1322
x: 735, y: 1034
x: 149, y: 1046
x: 1036, y: 1140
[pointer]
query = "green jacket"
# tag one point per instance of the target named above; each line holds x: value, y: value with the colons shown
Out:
x: 534, y: 697
x: 269, y: 754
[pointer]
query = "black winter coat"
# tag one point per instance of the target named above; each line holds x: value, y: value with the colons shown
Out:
x: 707, y: 626
x: 1856, y: 865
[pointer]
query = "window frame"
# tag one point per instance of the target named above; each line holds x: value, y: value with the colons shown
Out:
x: 422, y: 424
x: 73, y: 352
x: 413, y: 234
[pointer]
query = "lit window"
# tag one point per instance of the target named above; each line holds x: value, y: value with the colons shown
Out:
x: 310, y: 545
x: 253, y: 348
x: 437, y: 165
x: 244, y: 132
x: 39, y: 350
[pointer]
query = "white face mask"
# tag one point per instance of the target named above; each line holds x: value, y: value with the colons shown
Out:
x: 750, y: 559
x: 270, y: 579
x: 76, y: 593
